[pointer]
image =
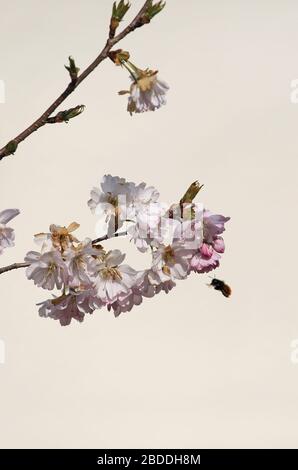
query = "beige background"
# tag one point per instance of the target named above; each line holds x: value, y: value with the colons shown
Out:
x: 191, y: 369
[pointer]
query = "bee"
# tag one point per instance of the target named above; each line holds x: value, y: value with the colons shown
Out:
x: 222, y: 286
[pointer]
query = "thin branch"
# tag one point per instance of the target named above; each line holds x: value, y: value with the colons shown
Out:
x: 106, y: 237
x: 11, y: 147
x: 13, y: 266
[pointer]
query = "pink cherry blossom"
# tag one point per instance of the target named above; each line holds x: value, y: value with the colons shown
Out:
x: 114, y: 280
x: 219, y: 244
x: 204, y: 264
x: 67, y: 307
x: 214, y: 225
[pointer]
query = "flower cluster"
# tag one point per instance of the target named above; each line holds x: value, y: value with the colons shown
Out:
x: 182, y: 238
x: 7, y: 235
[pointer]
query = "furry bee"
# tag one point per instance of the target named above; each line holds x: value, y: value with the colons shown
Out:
x: 222, y: 286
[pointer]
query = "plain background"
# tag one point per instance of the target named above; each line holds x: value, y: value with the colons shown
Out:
x: 191, y: 369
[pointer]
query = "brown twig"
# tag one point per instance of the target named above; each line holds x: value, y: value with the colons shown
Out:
x: 13, y: 266
x: 12, y: 145
x: 106, y: 237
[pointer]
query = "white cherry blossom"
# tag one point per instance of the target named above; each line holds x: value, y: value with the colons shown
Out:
x: 110, y: 201
x: 146, y: 230
x: 47, y: 270
x: 171, y: 262
x: 7, y: 235
x: 81, y: 263
x: 114, y: 280
x: 147, y: 92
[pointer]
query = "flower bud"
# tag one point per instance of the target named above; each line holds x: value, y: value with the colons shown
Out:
x: 206, y: 250
x: 65, y: 116
x: 73, y: 70
x: 11, y: 147
x: 118, y: 13
x: 153, y: 9
x: 119, y: 56
x: 219, y: 245
x: 191, y: 193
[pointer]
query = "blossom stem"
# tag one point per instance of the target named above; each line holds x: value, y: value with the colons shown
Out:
x: 132, y: 69
x: 12, y: 145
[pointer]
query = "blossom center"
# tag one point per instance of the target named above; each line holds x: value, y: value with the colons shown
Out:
x: 146, y: 82
x: 52, y: 267
x: 112, y: 199
x: 168, y: 255
x: 111, y: 273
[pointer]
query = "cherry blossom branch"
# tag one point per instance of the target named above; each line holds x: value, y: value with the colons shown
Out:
x: 144, y: 16
x: 89, y: 277
x: 188, y: 197
x: 13, y: 266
